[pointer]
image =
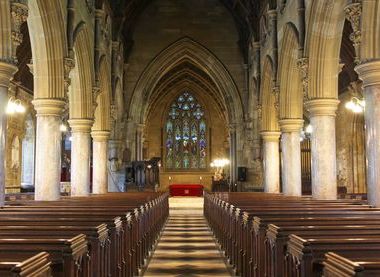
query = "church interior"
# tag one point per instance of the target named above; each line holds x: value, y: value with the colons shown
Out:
x: 189, y: 138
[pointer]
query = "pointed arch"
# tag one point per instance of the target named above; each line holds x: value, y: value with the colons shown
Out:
x: 49, y: 47
x: 268, y: 100
x: 82, y: 75
x: 370, y: 44
x: 291, y: 96
x: 180, y: 51
x: 103, y: 108
x: 323, y: 41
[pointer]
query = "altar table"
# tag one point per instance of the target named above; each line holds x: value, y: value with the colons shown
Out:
x: 186, y: 190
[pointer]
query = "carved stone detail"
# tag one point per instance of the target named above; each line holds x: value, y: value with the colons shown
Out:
x: 276, y: 93
x: 259, y: 109
x: 69, y: 64
x: 19, y: 14
x: 353, y: 14
x: 303, y: 66
x: 95, y: 94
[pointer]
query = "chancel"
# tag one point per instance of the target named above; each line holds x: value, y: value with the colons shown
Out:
x: 189, y: 138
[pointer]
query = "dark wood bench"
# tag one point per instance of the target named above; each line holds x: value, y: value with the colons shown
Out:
x: 68, y: 256
x: 339, y: 266
x: 37, y: 266
x: 277, y: 238
x: 305, y: 256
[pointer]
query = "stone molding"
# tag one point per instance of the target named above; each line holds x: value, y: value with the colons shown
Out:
x: 100, y: 136
x: 49, y: 107
x: 322, y: 106
x: 353, y: 14
x: 291, y: 125
x: 303, y: 66
x: 369, y: 73
x: 6, y: 73
x: 270, y: 135
x: 81, y: 125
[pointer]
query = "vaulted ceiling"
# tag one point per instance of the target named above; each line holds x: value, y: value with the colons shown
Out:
x: 244, y: 12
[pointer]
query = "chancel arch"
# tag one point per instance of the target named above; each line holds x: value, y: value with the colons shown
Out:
x: 182, y: 50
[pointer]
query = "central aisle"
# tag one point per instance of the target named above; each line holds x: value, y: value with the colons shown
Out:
x: 186, y: 247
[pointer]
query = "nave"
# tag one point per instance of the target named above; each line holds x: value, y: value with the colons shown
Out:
x: 186, y: 246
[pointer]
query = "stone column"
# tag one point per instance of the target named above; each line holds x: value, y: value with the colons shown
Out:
x: 80, y: 156
x: 6, y: 74
x: 139, y: 142
x: 291, y: 156
x: 323, y: 147
x: 48, y: 149
x: 233, y: 155
x: 370, y: 74
x: 100, y: 159
x: 271, y: 161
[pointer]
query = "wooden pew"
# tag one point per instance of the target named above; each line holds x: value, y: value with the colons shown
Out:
x: 37, y: 266
x: 142, y: 233
x: 114, y: 226
x: 277, y: 238
x: 305, y: 256
x: 97, y: 238
x: 68, y: 256
x: 231, y: 230
x: 338, y: 266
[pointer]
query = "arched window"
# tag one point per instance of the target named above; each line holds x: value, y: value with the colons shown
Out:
x: 186, y: 138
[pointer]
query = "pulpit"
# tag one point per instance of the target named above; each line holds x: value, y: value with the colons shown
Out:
x: 186, y: 190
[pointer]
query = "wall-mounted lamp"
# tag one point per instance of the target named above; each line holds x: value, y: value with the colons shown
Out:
x: 15, y: 106
x: 355, y: 105
x: 63, y: 128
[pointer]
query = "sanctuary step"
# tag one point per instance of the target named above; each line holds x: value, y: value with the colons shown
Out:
x: 186, y: 246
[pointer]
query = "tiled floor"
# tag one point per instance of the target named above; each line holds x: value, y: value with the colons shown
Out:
x: 186, y: 247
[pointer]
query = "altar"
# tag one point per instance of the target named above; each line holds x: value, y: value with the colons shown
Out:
x: 186, y: 190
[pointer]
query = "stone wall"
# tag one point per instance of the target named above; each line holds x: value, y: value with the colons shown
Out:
x: 166, y: 21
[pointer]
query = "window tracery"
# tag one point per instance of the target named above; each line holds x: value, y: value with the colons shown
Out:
x: 185, y: 133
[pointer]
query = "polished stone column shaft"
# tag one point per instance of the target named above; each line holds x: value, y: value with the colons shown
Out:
x: 100, y: 159
x: 6, y: 73
x: 323, y: 148
x: 48, y: 149
x: 271, y: 161
x: 80, y: 156
x: 370, y: 74
x: 291, y: 156
x: 233, y: 155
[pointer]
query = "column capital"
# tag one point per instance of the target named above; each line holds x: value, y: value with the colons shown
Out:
x: 6, y: 73
x: 81, y: 125
x: 369, y: 72
x: 100, y: 136
x: 291, y: 125
x: 46, y: 106
x: 322, y: 106
x: 270, y: 135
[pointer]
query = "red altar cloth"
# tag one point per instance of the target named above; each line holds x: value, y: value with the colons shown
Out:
x: 186, y: 190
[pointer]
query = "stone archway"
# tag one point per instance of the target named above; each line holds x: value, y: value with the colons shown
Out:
x: 182, y: 50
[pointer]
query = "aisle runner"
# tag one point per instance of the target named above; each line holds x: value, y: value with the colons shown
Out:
x: 186, y: 248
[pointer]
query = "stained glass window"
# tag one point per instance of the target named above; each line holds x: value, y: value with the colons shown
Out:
x: 185, y: 134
